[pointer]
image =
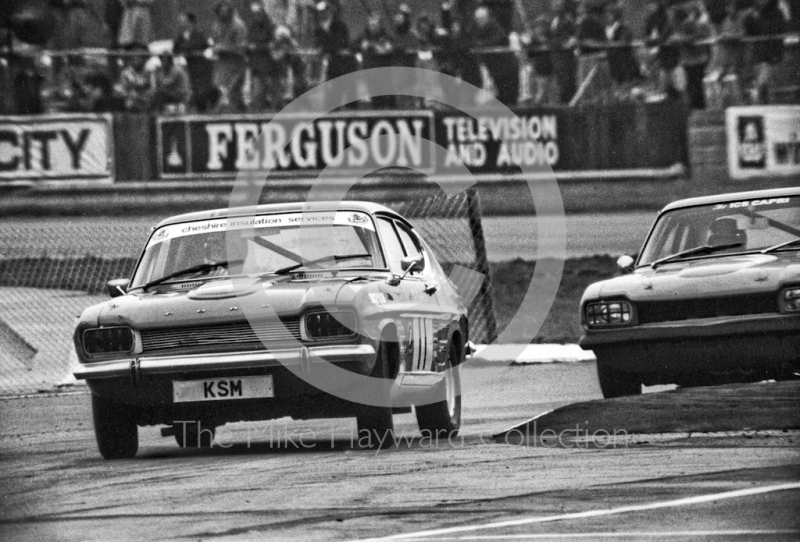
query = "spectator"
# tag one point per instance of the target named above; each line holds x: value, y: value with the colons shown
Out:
x: 376, y: 48
x: 230, y: 41
x: 503, y: 67
x: 172, y: 92
x: 691, y: 30
x: 100, y: 96
x: 541, y: 57
x: 428, y: 41
x: 191, y: 43
x: 260, y: 33
x: 767, y: 53
x: 286, y: 71
x: 457, y: 58
x: 405, y: 53
x: 285, y: 13
x: 591, y: 36
x: 563, y: 31
x: 728, y: 57
x: 135, y: 82
x: 332, y: 37
x: 622, y: 62
x: 664, y: 55
x: 136, y: 27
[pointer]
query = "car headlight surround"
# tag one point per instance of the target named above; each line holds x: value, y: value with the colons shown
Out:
x: 616, y: 313
x: 790, y: 299
x: 329, y: 324
x: 108, y: 340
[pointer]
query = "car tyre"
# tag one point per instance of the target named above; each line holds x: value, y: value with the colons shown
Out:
x: 115, y: 429
x: 615, y: 383
x: 375, y: 423
x: 444, y: 417
x: 193, y: 434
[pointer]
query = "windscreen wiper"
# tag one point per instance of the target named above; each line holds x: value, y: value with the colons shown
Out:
x: 780, y: 246
x: 194, y: 269
x: 705, y: 249
x: 336, y: 257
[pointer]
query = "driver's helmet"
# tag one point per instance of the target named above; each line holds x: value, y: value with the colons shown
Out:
x: 725, y: 231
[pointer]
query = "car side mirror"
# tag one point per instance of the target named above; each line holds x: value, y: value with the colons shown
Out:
x: 626, y: 263
x: 117, y: 287
x: 409, y: 264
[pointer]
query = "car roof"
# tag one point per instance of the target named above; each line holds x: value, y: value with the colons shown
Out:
x: 733, y: 196
x: 228, y: 212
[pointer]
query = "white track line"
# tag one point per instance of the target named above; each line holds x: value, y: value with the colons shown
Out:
x: 632, y: 534
x: 596, y: 513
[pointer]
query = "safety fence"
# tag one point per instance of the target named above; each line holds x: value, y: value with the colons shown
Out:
x: 51, y: 270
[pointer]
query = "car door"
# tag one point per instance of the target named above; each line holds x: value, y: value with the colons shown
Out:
x: 419, y: 314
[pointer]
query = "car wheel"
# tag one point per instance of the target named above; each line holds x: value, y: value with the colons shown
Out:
x: 375, y: 423
x: 615, y: 383
x: 194, y: 434
x: 115, y: 429
x: 444, y: 418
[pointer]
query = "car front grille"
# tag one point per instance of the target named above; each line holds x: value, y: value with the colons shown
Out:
x: 670, y: 311
x: 223, y: 335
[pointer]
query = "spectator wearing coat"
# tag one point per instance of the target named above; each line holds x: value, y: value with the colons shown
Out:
x: 136, y: 27
x: 503, y: 67
x: 768, y: 24
x: 192, y: 43
x: 260, y: 33
x: 172, y: 92
x: 622, y: 61
x: 541, y: 56
x: 691, y: 31
x: 376, y: 47
x: 286, y: 71
x: 563, y: 32
x: 230, y: 43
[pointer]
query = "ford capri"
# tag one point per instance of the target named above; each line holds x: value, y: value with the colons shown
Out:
x: 308, y: 311
x: 713, y: 297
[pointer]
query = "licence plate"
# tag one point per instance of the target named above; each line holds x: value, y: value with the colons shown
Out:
x: 223, y: 389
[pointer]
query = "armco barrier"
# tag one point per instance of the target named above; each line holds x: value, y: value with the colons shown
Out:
x: 618, y: 137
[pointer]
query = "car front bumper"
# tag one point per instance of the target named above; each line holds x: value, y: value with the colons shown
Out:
x: 138, y: 368
x: 708, y: 344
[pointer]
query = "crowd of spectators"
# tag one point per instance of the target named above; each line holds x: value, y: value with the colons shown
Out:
x: 690, y: 50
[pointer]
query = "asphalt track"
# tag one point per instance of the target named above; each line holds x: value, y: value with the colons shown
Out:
x: 304, y: 481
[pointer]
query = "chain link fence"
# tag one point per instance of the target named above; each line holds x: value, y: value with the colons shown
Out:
x: 52, y: 269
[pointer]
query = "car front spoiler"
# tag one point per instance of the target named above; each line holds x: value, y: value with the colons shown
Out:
x: 137, y: 367
x: 706, y: 328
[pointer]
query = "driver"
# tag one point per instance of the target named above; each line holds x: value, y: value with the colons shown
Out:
x: 725, y: 231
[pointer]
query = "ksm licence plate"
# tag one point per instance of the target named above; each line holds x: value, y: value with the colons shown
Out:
x: 223, y: 389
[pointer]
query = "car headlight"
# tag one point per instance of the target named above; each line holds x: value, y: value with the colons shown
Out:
x: 108, y: 340
x: 326, y: 325
x: 791, y: 299
x: 609, y: 313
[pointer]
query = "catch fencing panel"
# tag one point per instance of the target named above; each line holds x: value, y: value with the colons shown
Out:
x: 51, y: 269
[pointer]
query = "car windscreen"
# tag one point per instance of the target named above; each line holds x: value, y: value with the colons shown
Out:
x: 260, y: 245
x: 747, y: 225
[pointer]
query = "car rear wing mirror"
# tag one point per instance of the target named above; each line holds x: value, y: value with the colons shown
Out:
x: 625, y: 263
x: 117, y: 287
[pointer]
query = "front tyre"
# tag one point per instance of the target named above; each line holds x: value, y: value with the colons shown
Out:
x: 115, y: 429
x: 375, y: 423
x: 444, y: 418
x: 615, y: 383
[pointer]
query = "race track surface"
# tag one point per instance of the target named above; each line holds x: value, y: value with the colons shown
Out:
x: 288, y: 480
